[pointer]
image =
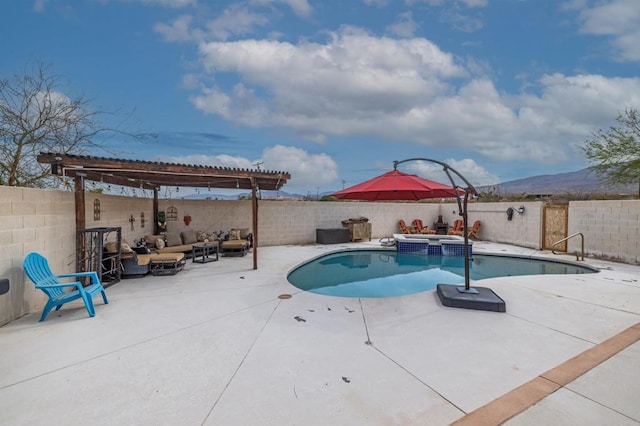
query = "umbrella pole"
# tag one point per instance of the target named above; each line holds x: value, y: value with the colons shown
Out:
x: 465, y: 226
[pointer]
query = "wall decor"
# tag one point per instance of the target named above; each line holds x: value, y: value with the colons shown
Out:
x: 172, y: 214
x: 96, y: 209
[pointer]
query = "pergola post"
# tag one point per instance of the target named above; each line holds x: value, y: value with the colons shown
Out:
x: 254, y: 211
x: 78, y: 185
x: 155, y: 211
x: 78, y: 181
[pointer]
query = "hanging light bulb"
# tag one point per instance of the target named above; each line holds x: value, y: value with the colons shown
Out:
x: 237, y: 183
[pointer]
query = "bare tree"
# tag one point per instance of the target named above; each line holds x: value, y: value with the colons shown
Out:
x: 616, y: 152
x: 34, y: 118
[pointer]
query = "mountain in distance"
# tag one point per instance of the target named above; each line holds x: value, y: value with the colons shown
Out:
x: 583, y: 181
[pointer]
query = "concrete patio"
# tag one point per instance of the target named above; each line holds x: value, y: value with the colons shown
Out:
x: 215, y: 345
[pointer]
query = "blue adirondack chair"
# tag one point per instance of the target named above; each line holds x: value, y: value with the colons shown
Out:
x: 37, y: 269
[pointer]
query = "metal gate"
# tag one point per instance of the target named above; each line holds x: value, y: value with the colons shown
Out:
x: 554, y: 226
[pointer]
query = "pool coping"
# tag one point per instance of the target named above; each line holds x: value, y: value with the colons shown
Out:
x: 523, y: 397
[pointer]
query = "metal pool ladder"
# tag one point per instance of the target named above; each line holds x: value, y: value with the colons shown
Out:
x: 579, y: 256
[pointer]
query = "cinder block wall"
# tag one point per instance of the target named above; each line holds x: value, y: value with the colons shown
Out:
x: 611, y: 229
x: 523, y: 230
x: 115, y: 211
x: 33, y: 220
x: 295, y: 222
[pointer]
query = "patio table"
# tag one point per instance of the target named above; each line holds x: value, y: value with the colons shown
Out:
x: 204, y: 253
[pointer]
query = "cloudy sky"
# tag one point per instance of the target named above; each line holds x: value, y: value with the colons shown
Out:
x: 333, y: 91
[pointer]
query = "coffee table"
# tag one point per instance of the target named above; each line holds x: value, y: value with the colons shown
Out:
x: 204, y: 253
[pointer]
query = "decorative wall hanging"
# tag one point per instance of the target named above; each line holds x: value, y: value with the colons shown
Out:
x: 131, y: 221
x: 141, y: 219
x: 96, y: 209
x: 187, y: 219
x: 172, y: 213
x: 162, y: 222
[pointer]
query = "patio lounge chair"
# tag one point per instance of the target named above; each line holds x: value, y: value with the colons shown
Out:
x: 456, y: 229
x: 473, y: 232
x: 405, y: 229
x: 37, y: 269
x: 421, y: 229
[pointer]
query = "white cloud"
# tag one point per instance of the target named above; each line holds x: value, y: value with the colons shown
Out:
x: 300, y: 7
x: 404, y: 26
x: 178, y: 30
x: 307, y: 170
x: 455, y: 3
x: 619, y: 19
x: 236, y: 20
x: 468, y: 168
x: 357, y: 84
x: 461, y: 21
x: 342, y: 84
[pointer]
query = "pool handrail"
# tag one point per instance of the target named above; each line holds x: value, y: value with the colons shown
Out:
x: 578, y: 257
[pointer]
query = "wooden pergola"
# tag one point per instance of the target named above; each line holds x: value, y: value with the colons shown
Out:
x: 151, y: 175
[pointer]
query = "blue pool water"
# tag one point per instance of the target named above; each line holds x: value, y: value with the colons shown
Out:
x: 386, y: 273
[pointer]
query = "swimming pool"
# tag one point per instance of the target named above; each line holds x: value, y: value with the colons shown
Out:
x: 387, y: 273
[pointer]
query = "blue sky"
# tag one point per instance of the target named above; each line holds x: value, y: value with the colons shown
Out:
x: 334, y: 91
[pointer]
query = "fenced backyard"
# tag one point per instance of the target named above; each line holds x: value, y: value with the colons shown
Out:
x: 44, y: 221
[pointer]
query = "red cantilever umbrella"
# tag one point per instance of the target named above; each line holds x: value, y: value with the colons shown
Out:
x: 395, y: 185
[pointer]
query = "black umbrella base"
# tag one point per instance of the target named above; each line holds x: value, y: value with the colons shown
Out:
x: 479, y: 298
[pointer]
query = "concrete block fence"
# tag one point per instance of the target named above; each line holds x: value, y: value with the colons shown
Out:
x: 44, y: 221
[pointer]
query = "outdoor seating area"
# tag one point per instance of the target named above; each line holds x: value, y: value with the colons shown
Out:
x: 166, y: 254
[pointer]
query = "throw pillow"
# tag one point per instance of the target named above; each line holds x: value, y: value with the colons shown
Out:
x: 159, y: 243
x: 234, y: 234
x: 150, y: 239
x: 126, y: 248
x: 111, y: 247
x: 243, y: 233
x: 173, y: 239
x: 189, y: 237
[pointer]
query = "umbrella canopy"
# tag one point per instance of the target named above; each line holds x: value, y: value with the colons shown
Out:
x: 396, y: 185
